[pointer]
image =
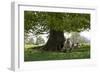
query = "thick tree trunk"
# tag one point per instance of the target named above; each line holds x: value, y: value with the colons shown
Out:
x: 55, y: 41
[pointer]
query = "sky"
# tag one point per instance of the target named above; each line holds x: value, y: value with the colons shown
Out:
x: 86, y: 34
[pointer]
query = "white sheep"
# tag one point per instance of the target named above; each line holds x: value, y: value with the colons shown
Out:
x: 68, y: 45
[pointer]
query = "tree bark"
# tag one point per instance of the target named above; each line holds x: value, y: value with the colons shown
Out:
x: 55, y: 41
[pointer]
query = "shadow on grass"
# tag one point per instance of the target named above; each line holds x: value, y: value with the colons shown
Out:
x: 38, y: 54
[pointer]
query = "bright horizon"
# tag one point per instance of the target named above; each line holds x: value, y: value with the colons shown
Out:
x: 85, y: 34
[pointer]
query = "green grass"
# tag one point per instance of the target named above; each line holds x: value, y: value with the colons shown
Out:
x: 38, y: 55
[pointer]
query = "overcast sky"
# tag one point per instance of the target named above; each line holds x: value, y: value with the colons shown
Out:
x: 86, y: 34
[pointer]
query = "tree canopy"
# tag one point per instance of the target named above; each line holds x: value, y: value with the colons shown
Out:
x: 40, y: 22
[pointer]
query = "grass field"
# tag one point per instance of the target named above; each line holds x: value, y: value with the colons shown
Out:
x: 33, y: 54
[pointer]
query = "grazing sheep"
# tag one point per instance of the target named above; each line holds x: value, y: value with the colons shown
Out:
x: 68, y: 45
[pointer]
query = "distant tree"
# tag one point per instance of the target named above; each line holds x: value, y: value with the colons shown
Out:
x: 77, y: 38
x: 84, y: 40
x: 40, y: 40
x: 31, y: 40
x: 28, y: 39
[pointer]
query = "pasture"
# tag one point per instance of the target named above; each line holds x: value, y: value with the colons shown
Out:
x: 35, y: 53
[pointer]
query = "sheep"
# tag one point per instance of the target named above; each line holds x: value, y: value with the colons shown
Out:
x: 68, y: 45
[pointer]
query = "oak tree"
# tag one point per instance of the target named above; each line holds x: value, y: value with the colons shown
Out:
x: 55, y: 23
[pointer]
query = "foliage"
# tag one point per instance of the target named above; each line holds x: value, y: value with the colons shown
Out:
x: 40, y: 22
